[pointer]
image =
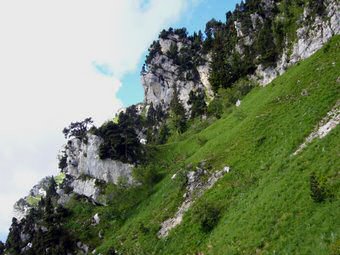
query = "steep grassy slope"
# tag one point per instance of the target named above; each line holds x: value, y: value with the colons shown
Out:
x: 264, y: 202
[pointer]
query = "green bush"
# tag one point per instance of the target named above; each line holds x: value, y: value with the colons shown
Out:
x: 317, y: 192
x: 208, y: 216
x: 215, y: 108
x: 147, y: 175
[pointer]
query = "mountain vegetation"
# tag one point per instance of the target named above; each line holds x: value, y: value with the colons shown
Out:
x: 278, y: 146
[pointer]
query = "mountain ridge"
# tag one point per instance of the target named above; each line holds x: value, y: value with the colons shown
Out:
x: 180, y: 64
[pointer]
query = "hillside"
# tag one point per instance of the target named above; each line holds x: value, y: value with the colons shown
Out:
x: 265, y: 204
x: 235, y: 149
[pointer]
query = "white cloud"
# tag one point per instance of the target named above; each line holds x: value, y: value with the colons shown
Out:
x: 52, y: 54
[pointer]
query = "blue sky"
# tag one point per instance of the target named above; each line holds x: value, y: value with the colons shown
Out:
x: 194, y: 19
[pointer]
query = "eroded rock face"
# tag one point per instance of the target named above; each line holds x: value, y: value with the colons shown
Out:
x: 310, y: 38
x: 83, y: 159
x: 163, y: 74
x: 83, y: 171
x: 22, y: 207
x: 195, y: 188
x: 87, y: 188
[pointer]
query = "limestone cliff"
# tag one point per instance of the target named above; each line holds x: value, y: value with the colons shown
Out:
x: 82, y: 175
x: 164, y: 71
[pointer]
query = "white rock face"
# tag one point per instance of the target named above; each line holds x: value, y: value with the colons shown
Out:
x: 162, y: 75
x: 238, y: 28
x: 83, y: 159
x: 96, y: 219
x: 310, y: 38
x: 166, y: 43
x: 204, y: 72
x: 22, y: 207
x: 238, y: 103
x: 87, y: 188
x: 267, y: 75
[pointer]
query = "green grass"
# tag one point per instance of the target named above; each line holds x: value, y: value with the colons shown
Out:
x: 265, y: 201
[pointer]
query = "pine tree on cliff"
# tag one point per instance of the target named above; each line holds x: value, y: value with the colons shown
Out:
x: 2, y: 248
x: 13, y: 244
x: 151, y: 117
x: 177, y: 112
x: 197, y: 102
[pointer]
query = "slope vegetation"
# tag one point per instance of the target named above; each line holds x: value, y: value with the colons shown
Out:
x: 271, y: 202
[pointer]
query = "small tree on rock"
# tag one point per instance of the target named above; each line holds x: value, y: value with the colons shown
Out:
x: 78, y: 129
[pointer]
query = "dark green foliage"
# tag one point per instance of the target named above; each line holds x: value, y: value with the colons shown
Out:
x: 119, y: 144
x: 111, y: 251
x: 51, y: 190
x: 151, y: 118
x: 62, y: 161
x: 43, y: 229
x: 173, y: 52
x: 120, y: 139
x: 164, y: 133
x: 208, y: 215
x: 181, y: 32
x: 13, y: 243
x: 317, y: 192
x: 318, y: 6
x: 153, y: 50
x: 78, y: 129
x: 177, y: 113
x: 215, y: 108
x: 147, y: 175
x: 265, y: 45
x: 2, y: 248
x: 197, y: 102
x: 154, y: 116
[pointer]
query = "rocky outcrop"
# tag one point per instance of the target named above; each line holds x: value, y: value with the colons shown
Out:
x: 22, y: 206
x: 83, y: 160
x: 163, y: 73
x: 195, y: 188
x: 81, y: 176
x: 311, y: 36
x: 86, y: 188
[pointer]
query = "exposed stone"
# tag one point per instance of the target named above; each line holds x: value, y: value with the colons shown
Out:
x: 238, y: 28
x: 304, y: 93
x: 84, y: 249
x: 96, y: 219
x: 87, y: 188
x: 163, y: 74
x: 326, y: 125
x: 238, y: 103
x: 265, y: 75
x: 310, y: 38
x: 22, y: 207
x: 83, y: 159
x: 255, y: 20
x: 195, y: 188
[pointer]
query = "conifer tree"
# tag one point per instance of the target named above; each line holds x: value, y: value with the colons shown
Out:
x: 197, y: 102
x: 177, y: 112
